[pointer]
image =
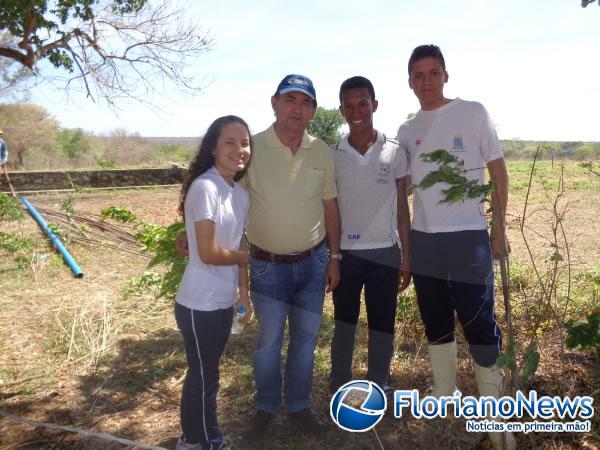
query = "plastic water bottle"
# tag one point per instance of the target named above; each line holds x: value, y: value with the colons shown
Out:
x: 237, y: 327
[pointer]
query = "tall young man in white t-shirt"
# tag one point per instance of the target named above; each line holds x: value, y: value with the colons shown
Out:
x: 370, y: 176
x: 451, y: 249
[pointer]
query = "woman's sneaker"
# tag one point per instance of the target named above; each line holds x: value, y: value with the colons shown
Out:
x: 187, y: 446
x: 181, y: 445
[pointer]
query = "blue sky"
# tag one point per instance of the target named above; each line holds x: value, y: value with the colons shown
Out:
x: 534, y: 65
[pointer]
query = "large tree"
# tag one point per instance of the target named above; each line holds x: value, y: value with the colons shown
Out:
x: 113, y: 48
x: 326, y: 125
x: 28, y: 129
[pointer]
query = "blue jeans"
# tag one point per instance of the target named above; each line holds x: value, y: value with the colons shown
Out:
x: 293, y: 292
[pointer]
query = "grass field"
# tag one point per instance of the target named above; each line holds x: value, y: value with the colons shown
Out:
x: 103, y: 354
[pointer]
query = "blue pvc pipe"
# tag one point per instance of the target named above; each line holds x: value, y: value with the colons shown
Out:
x: 55, y: 240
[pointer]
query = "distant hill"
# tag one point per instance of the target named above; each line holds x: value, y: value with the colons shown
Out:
x: 192, y: 142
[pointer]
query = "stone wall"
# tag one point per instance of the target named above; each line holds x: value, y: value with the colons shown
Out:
x: 42, y: 181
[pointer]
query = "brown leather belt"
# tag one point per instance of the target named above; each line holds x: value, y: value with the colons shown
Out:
x: 264, y: 255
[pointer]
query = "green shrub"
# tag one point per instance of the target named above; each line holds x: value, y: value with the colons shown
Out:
x: 10, y: 209
x: 12, y: 243
x: 149, y: 281
x: 585, y: 334
x: 173, y: 151
x: 21, y: 249
x: 159, y: 241
x: 106, y: 164
x: 73, y: 143
x: 118, y: 214
x: 520, y: 276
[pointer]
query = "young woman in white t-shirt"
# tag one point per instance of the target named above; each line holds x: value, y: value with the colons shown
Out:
x: 215, y: 209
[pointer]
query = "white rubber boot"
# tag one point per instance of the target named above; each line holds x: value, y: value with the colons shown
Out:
x: 489, y: 383
x: 443, y: 366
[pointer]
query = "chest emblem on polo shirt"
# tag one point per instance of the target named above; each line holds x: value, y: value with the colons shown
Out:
x: 384, y: 169
x: 383, y: 173
x: 457, y: 143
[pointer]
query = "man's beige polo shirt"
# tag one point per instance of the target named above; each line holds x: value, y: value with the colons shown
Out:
x: 287, y: 192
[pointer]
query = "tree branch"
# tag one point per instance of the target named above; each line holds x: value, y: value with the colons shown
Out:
x: 14, y: 54
x: 117, y: 55
x: 28, y: 29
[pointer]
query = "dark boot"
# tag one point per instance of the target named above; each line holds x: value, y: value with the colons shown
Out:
x: 259, y: 425
x: 308, y: 421
x: 342, y: 348
x: 381, y: 349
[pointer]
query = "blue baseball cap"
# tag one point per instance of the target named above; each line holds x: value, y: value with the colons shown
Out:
x: 297, y: 83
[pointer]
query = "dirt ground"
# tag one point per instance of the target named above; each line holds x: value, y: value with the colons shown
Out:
x: 73, y: 393
x: 132, y: 390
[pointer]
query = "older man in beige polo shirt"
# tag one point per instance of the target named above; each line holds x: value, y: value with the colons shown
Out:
x: 292, y: 209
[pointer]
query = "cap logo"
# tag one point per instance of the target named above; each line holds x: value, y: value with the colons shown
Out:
x: 298, y: 81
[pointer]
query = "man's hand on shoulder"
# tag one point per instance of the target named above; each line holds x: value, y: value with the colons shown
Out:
x: 181, y: 244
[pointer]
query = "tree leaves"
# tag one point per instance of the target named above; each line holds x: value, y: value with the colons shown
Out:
x: 529, y: 361
x: 508, y: 358
x: 27, y: 129
x: 160, y: 241
x: 585, y: 334
x: 111, y: 49
x: 451, y: 171
x: 10, y: 209
x: 584, y: 3
x: 441, y: 156
x: 326, y: 125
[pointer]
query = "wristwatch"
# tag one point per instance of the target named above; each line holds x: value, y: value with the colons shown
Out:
x: 337, y: 256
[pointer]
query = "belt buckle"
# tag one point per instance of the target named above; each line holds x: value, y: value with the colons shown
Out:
x: 295, y: 256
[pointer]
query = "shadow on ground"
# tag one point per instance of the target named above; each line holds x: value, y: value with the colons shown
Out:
x: 122, y: 396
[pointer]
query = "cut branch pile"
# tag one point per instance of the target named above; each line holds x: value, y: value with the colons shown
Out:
x: 92, y: 231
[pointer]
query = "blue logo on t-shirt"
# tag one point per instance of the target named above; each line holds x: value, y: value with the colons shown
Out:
x: 457, y: 143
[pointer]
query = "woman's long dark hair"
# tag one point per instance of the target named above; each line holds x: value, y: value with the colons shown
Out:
x: 205, y: 159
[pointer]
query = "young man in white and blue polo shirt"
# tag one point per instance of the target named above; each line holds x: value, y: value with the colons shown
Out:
x: 370, y: 176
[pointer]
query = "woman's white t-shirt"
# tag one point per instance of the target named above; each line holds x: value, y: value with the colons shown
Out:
x: 207, y: 287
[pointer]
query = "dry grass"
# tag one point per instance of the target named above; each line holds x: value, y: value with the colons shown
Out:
x: 78, y: 352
